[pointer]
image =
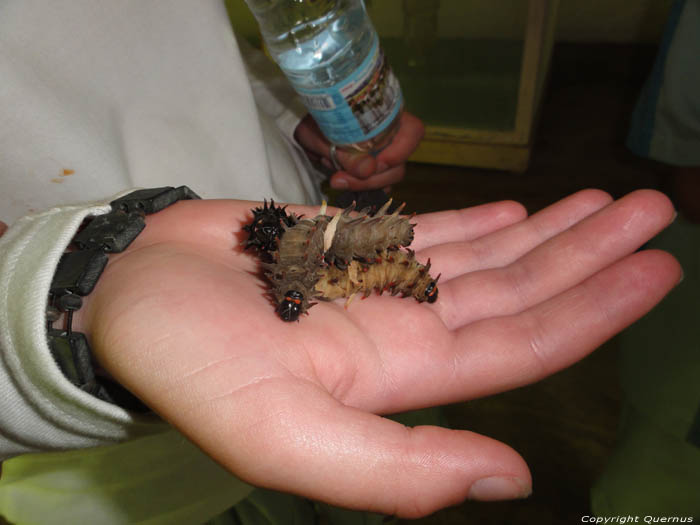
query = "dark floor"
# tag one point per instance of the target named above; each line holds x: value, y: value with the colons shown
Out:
x: 564, y: 426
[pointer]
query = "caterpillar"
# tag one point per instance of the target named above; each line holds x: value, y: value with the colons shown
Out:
x: 395, y: 271
x: 364, y: 236
x: 296, y: 264
x: 327, y: 258
x: 267, y: 227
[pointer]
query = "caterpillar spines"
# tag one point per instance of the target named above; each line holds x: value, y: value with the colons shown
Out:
x: 404, y: 275
x: 266, y: 228
x: 363, y: 237
x: 304, y: 239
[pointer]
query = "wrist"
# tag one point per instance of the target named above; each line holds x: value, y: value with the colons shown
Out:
x: 77, y: 274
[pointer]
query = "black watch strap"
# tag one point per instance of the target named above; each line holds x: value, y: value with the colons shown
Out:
x: 77, y: 274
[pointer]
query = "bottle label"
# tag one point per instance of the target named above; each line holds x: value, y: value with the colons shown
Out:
x: 359, y: 107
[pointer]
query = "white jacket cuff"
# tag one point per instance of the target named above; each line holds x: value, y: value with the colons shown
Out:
x: 40, y: 409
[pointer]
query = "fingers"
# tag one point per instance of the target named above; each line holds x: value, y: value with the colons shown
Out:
x: 559, y: 263
x: 389, y: 168
x: 360, y: 170
x: 390, y: 165
x: 343, y: 180
x: 356, y: 165
x: 3, y: 228
x: 454, y: 226
x: 295, y: 438
x: 512, y: 327
x: 504, y: 245
x: 309, y: 136
x: 405, y: 142
x: 503, y: 353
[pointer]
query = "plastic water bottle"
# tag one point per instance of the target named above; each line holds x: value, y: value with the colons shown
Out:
x: 330, y: 52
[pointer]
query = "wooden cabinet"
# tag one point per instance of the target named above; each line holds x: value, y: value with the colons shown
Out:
x: 478, y: 84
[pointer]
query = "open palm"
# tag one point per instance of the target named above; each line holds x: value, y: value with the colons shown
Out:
x: 183, y: 320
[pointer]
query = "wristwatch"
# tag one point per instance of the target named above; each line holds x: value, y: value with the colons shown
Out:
x: 76, y: 275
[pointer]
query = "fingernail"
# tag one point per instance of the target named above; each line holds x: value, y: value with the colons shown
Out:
x: 675, y: 216
x: 339, y: 184
x: 382, y: 166
x: 499, y: 488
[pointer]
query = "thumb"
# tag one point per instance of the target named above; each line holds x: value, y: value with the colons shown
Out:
x: 299, y: 439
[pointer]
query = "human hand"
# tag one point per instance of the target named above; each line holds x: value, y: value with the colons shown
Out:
x: 363, y: 171
x: 181, y: 319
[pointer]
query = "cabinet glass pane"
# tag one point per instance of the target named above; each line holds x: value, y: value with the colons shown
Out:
x: 458, y: 61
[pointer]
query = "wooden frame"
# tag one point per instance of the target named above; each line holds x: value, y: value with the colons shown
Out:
x: 505, y: 150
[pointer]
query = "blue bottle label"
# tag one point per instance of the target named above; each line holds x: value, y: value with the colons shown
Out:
x: 359, y: 107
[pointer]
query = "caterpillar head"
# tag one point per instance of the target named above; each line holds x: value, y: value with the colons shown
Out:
x: 267, y: 226
x: 291, y: 306
x: 431, y: 291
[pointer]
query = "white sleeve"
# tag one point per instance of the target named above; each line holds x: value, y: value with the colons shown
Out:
x: 272, y: 91
x: 96, y: 97
x: 40, y: 409
x: 279, y: 106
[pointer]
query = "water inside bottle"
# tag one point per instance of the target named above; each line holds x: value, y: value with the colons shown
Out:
x: 322, y: 52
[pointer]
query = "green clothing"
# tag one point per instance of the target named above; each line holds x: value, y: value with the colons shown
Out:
x: 105, y: 485
x: 655, y: 469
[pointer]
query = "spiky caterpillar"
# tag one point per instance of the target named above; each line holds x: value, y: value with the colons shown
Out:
x: 359, y: 236
x: 267, y: 227
x: 364, y: 236
x: 288, y: 265
x: 296, y: 265
x: 396, y: 271
x: 317, y: 258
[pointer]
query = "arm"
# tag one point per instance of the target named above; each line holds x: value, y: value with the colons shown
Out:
x: 297, y: 407
x: 41, y: 411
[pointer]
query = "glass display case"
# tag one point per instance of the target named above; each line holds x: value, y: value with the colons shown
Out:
x: 473, y: 70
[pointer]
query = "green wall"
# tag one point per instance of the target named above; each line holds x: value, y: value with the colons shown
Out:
x: 612, y: 20
x: 579, y: 20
